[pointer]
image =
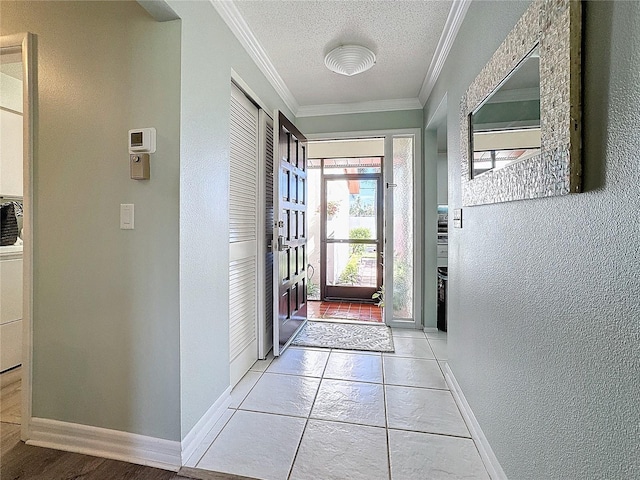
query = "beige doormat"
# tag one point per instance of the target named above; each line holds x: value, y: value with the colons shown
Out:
x: 346, y: 336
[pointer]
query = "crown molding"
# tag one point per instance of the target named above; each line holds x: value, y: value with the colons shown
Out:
x: 239, y: 27
x: 359, y: 107
x: 237, y: 24
x: 451, y: 27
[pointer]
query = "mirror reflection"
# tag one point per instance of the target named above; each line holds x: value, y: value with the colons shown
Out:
x: 505, y: 128
x: 11, y: 158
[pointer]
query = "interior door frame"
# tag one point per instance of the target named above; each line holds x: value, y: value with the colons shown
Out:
x: 26, y: 42
x: 418, y: 230
x: 418, y: 219
x: 378, y: 177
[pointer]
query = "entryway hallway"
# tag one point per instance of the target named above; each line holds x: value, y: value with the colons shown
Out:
x: 331, y: 414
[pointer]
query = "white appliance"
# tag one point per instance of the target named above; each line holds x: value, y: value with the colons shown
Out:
x: 11, y: 311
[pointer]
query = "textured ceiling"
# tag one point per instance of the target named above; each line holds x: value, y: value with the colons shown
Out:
x: 296, y: 35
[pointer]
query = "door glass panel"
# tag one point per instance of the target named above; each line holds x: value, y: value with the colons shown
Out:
x: 351, y: 265
x: 285, y: 176
x: 344, y: 166
x: 313, y: 229
x: 294, y: 188
x: 351, y: 209
x: 403, y: 227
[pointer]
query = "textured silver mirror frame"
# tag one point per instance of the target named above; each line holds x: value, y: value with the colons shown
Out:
x: 556, y: 25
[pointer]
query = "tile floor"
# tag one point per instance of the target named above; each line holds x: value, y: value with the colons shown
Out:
x: 331, y: 414
x: 361, y: 312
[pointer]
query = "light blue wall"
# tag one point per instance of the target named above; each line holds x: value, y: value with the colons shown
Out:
x: 105, y: 300
x: 443, y: 179
x: 430, y: 228
x: 544, y: 336
x: 209, y: 52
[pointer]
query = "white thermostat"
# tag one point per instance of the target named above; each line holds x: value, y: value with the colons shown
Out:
x: 142, y: 140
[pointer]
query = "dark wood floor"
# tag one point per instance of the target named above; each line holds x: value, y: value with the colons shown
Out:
x: 19, y: 461
x: 10, y: 396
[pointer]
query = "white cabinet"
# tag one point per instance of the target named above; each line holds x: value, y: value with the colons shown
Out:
x: 11, y: 311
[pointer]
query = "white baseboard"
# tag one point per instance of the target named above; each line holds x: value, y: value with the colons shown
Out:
x: 486, y: 452
x: 102, y: 442
x: 199, y: 431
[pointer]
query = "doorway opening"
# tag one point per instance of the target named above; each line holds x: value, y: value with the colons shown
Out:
x: 351, y: 230
x: 365, y: 230
x: 346, y: 229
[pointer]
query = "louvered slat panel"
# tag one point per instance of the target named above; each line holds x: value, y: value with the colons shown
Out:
x: 242, y: 228
x: 239, y: 238
x: 269, y: 228
x: 242, y: 288
x: 243, y: 279
x: 242, y: 305
x: 241, y: 117
x: 243, y: 182
x: 243, y: 173
x: 243, y: 202
x: 239, y: 147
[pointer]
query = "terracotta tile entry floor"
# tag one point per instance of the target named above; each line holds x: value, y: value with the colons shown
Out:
x: 361, y: 312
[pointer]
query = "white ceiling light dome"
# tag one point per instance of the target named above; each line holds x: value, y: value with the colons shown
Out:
x: 350, y: 59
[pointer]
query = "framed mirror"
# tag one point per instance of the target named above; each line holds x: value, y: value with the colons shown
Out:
x: 521, y: 117
x: 505, y: 128
x: 18, y: 63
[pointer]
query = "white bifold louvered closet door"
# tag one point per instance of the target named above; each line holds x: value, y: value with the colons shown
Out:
x: 243, y: 235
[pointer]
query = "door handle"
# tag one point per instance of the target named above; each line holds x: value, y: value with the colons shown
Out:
x: 282, y: 245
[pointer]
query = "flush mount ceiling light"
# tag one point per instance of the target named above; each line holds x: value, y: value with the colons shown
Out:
x: 350, y: 59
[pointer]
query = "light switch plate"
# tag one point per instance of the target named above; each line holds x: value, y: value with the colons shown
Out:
x: 457, y: 218
x: 126, y: 216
